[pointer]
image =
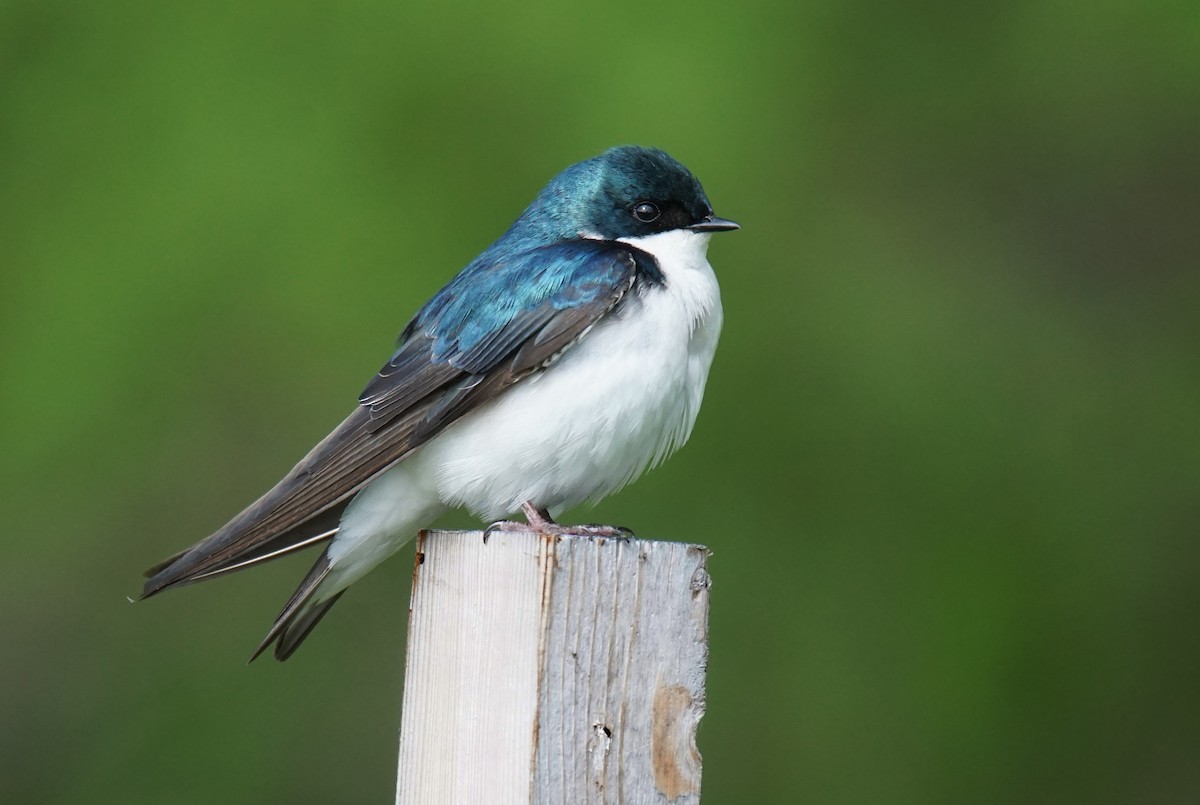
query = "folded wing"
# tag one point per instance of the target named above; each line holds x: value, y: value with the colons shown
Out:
x: 501, y: 319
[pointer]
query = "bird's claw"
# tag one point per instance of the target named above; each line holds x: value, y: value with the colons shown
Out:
x: 540, y: 521
x: 598, y: 530
x: 505, y: 527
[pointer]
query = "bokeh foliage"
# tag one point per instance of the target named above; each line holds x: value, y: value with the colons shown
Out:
x: 949, y: 457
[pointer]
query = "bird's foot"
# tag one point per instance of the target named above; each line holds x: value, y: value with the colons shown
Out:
x: 539, y: 520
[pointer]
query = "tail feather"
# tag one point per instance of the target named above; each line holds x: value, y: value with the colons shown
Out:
x: 300, y: 626
x: 301, y: 614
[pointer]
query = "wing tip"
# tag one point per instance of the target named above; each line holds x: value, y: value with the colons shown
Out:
x: 157, y: 579
x: 154, y: 570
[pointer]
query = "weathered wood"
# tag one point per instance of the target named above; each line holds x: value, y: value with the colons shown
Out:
x: 553, y: 670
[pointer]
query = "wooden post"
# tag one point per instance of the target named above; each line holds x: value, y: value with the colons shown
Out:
x: 548, y: 670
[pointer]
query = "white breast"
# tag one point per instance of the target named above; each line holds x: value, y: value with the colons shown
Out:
x: 620, y: 400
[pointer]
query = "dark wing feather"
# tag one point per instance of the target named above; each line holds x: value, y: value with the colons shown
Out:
x: 409, y: 377
x: 321, y: 484
x: 502, y: 318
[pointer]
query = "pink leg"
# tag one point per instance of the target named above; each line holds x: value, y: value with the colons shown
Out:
x: 539, y: 520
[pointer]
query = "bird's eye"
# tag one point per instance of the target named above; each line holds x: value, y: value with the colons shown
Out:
x: 646, y: 212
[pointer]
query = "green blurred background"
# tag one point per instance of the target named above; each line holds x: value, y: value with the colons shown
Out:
x: 948, y: 461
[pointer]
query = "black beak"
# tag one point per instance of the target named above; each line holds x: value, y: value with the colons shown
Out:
x: 714, y: 224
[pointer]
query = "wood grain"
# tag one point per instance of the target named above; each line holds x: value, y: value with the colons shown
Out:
x: 545, y: 669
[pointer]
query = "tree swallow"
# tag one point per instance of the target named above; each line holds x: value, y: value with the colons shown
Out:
x: 557, y: 366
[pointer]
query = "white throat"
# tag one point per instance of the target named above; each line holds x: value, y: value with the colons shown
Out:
x: 682, y: 256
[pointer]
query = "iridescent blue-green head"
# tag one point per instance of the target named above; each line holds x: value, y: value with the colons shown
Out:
x: 626, y: 192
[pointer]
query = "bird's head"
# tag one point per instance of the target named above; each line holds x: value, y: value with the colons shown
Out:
x: 626, y: 192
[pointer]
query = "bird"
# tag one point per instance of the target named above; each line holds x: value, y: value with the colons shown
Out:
x: 557, y: 366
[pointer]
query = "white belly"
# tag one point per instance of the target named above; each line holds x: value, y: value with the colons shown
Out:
x: 620, y: 400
